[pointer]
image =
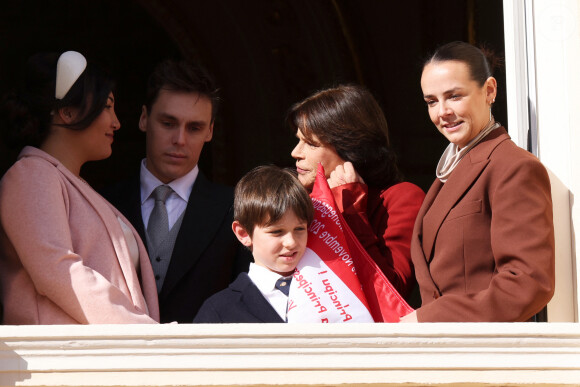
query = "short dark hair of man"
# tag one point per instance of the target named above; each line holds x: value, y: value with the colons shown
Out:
x: 182, y: 76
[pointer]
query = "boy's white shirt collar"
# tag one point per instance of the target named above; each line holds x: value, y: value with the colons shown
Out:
x: 265, y: 281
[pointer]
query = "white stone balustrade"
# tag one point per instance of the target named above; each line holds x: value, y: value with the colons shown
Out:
x: 543, y: 354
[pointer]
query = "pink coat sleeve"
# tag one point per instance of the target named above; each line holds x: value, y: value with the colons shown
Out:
x: 383, y: 223
x: 34, y: 211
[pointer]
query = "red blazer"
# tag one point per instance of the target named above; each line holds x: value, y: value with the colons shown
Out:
x: 383, y: 222
x: 483, y: 243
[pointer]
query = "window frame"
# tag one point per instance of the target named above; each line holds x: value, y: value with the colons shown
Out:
x: 542, y: 50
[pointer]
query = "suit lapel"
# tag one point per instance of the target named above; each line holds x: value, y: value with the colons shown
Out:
x: 254, y: 301
x: 462, y: 178
x: 129, y: 203
x: 417, y: 242
x: 147, y: 288
x: 204, y: 215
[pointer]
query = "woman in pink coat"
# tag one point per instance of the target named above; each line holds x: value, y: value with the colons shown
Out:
x: 66, y: 255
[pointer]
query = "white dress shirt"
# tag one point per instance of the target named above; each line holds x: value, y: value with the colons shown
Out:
x: 265, y: 281
x: 177, y: 200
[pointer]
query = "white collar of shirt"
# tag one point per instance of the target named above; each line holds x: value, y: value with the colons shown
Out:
x: 181, y: 186
x: 178, y: 199
x: 265, y: 281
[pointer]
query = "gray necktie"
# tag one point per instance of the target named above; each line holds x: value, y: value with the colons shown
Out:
x: 158, y: 225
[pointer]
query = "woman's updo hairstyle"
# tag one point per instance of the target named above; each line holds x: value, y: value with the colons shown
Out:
x: 348, y: 119
x: 26, y: 115
x: 481, y: 62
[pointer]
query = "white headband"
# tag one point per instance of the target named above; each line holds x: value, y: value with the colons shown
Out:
x: 69, y: 68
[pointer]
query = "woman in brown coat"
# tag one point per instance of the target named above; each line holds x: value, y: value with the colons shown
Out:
x: 483, y: 243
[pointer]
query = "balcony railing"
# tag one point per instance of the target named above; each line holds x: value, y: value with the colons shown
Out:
x: 544, y: 354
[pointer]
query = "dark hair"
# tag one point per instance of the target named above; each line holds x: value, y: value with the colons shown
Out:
x: 26, y: 115
x: 266, y: 193
x: 182, y: 76
x: 349, y: 119
x: 480, y: 62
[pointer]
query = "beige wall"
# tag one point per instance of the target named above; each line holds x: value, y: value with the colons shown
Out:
x: 543, y: 81
x: 557, y: 47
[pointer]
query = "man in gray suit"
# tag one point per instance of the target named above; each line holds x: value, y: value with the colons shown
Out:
x: 192, y: 248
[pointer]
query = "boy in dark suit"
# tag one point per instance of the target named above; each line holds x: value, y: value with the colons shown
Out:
x: 272, y: 211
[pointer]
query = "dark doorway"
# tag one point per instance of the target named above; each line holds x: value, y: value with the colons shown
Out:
x: 266, y: 55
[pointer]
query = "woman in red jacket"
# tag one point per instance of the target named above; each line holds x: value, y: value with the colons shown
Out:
x: 345, y: 130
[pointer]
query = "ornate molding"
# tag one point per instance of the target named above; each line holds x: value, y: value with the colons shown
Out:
x: 243, y: 354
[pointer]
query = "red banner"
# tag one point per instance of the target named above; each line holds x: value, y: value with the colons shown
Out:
x: 336, y: 280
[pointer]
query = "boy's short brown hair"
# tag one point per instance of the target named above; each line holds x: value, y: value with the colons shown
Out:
x: 266, y: 193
